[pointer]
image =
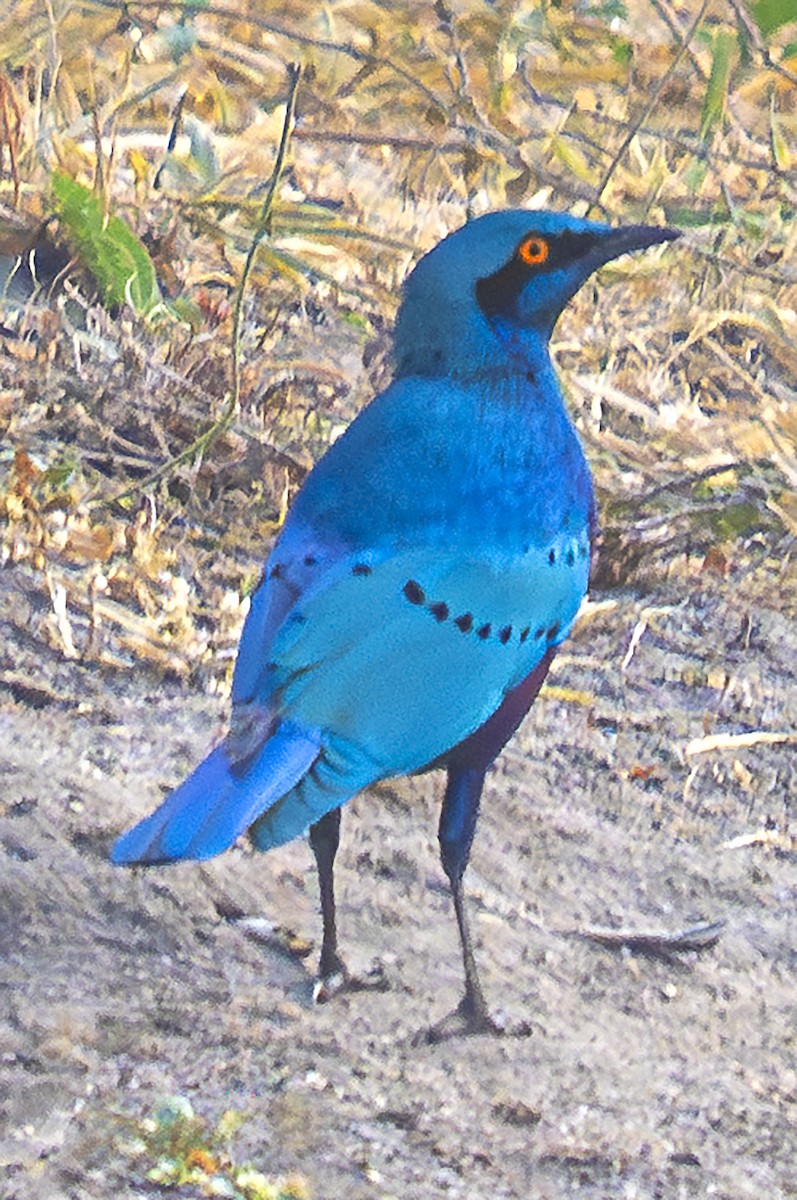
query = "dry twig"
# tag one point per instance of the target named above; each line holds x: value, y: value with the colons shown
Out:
x: 700, y: 936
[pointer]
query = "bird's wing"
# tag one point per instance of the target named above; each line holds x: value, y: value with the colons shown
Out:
x: 302, y: 564
x: 403, y: 656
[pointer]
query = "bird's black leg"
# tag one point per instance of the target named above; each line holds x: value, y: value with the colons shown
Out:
x: 324, y: 840
x: 333, y: 974
x: 457, y: 827
x: 468, y: 763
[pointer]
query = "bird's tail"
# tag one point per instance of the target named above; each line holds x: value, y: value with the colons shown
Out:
x: 218, y: 801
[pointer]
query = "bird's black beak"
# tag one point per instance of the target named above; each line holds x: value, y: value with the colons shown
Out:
x: 627, y: 239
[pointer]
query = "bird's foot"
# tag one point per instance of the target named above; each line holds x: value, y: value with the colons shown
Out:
x: 334, y: 978
x: 470, y: 1017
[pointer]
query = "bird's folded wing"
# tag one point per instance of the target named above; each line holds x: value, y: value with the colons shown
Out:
x: 405, y: 656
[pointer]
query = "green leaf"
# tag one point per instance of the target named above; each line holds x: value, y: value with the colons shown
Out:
x: 119, y: 262
x: 725, y: 45
x: 695, y: 175
x: 608, y: 10
x: 622, y: 51
x: 694, y: 218
x: 780, y: 146
x: 358, y: 321
x: 736, y: 520
x: 572, y: 159
x: 185, y: 309
x: 770, y: 15
x: 725, y: 483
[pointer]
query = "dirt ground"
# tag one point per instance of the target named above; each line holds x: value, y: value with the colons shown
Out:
x: 643, y: 1076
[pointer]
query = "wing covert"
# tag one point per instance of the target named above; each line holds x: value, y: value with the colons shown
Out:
x: 408, y: 657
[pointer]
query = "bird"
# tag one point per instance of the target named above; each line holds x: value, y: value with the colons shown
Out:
x: 429, y: 568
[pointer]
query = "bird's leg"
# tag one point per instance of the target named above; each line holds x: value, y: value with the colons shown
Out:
x: 467, y: 767
x: 324, y: 840
x: 333, y: 974
x: 472, y: 1007
x: 457, y: 827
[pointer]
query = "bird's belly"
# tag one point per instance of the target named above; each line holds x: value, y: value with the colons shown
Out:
x: 408, y: 661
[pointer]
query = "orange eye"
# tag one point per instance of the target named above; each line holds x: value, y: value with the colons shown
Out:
x: 533, y: 251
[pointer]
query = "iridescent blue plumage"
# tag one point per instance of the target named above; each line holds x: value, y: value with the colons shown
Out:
x: 430, y: 565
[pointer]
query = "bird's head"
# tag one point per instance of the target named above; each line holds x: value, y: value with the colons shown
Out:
x: 491, y: 293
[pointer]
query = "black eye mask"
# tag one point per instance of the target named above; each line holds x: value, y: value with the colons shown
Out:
x: 497, y: 294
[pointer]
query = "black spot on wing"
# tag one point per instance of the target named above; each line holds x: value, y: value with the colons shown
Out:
x: 361, y: 569
x: 466, y: 621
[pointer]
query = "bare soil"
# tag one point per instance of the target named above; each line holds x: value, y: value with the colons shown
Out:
x: 644, y: 1076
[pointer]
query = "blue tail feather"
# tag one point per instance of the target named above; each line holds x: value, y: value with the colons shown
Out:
x: 214, y: 805
x: 337, y: 775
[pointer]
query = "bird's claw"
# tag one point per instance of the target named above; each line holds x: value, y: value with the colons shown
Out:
x: 335, y: 981
x: 467, y: 1020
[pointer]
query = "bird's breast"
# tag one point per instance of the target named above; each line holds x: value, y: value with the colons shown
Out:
x: 524, y: 481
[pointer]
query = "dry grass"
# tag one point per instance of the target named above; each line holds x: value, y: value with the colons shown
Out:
x: 679, y: 366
